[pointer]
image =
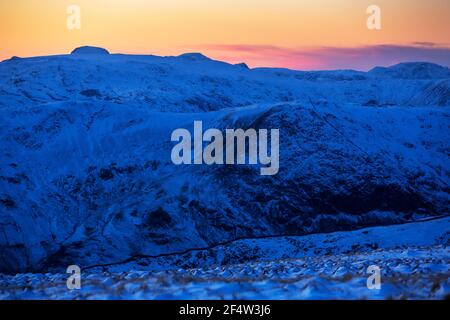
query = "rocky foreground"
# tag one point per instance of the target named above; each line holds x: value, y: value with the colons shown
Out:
x: 417, y: 272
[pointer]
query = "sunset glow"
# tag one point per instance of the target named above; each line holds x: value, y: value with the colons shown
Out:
x: 287, y: 33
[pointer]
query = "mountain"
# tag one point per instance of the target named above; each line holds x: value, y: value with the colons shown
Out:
x: 89, y: 50
x: 86, y: 174
x: 413, y: 70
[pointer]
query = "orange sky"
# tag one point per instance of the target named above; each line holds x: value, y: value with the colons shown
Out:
x: 38, y: 27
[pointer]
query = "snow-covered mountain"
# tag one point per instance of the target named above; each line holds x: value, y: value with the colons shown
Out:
x: 86, y: 175
x: 413, y: 70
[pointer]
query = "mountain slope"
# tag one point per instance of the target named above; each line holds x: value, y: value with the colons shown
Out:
x: 86, y: 175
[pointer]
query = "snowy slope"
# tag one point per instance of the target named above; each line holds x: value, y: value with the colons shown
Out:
x: 86, y: 176
x: 434, y: 233
x: 414, y: 261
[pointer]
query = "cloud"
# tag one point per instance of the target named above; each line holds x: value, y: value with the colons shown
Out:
x: 358, y: 58
x: 425, y: 44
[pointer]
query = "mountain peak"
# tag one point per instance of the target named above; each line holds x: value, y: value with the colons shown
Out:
x: 413, y: 70
x: 195, y: 56
x: 89, y: 50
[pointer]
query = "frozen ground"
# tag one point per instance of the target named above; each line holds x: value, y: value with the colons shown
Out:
x: 418, y: 272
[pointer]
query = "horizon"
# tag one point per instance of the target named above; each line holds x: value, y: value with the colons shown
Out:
x: 324, y: 35
x: 211, y: 58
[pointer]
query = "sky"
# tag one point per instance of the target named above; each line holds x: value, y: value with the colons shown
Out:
x: 296, y: 34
